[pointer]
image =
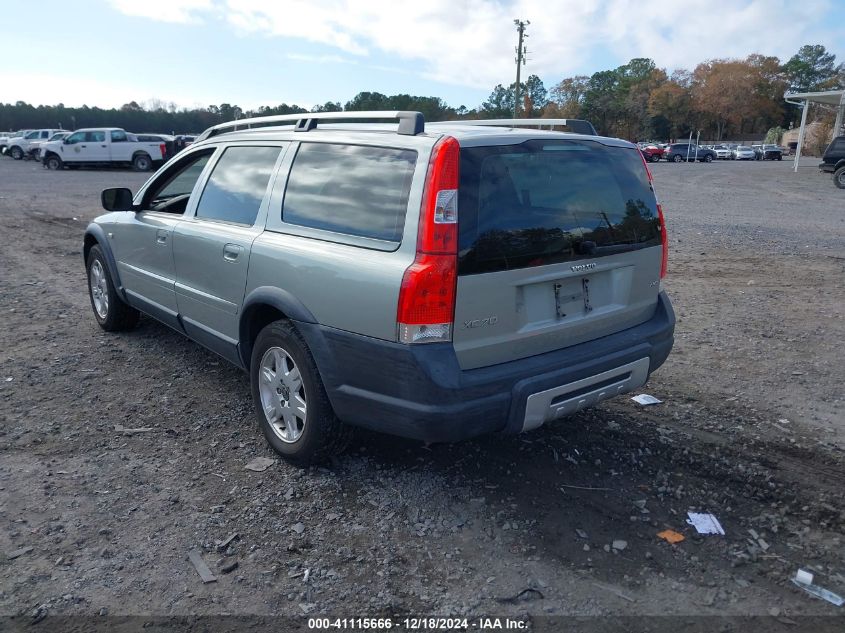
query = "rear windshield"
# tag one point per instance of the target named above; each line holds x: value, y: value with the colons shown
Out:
x: 545, y: 202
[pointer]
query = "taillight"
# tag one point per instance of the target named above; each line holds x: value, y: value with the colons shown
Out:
x: 664, y: 241
x: 163, y: 149
x: 664, y: 237
x: 426, y: 310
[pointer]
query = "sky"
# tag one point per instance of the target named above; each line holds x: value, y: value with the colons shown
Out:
x: 265, y: 52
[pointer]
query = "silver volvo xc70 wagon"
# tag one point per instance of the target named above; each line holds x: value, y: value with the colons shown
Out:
x: 435, y: 281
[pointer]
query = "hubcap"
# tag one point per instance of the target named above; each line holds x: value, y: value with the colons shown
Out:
x: 842, y: 178
x: 99, y: 289
x: 282, y: 394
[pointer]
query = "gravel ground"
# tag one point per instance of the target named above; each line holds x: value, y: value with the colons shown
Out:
x: 98, y: 521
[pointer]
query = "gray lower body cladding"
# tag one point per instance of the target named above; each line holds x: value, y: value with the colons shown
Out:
x: 420, y: 391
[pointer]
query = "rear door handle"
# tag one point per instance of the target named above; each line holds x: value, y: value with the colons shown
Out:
x: 161, y: 236
x: 231, y: 252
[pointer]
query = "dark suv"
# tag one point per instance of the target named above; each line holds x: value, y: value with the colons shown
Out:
x: 833, y: 161
x: 680, y: 152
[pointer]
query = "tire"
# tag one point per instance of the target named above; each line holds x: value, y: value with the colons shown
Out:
x: 53, y: 162
x: 304, y: 439
x: 16, y: 152
x: 839, y: 177
x: 708, y: 159
x: 142, y: 162
x: 112, y: 314
x: 780, y: 157
x: 654, y: 158
x: 677, y: 158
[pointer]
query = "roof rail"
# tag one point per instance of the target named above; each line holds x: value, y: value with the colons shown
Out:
x: 410, y: 123
x: 579, y: 126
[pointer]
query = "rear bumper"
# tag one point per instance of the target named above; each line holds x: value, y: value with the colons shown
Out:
x: 826, y: 167
x: 420, y: 391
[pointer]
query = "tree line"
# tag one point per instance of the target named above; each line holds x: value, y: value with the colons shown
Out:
x: 638, y: 100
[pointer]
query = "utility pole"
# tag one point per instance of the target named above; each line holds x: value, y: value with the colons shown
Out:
x: 520, y: 60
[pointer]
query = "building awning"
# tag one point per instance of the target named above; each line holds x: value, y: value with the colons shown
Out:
x: 835, y: 98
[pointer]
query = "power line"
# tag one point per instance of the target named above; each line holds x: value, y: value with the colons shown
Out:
x: 520, y: 61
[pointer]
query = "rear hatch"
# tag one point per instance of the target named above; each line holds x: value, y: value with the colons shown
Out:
x: 559, y: 243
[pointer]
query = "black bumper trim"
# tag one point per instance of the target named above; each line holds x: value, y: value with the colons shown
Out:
x: 421, y: 392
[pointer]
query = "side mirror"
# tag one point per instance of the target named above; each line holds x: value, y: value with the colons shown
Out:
x: 116, y: 199
x: 66, y: 140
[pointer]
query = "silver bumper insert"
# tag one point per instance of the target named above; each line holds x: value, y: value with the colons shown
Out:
x: 558, y: 402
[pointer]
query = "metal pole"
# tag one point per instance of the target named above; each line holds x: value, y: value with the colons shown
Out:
x: 801, y: 134
x: 840, y: 111
x: 689, y: 144
x: 520, y: 26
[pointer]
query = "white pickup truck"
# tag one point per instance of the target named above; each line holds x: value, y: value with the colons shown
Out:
x: 103, y: 146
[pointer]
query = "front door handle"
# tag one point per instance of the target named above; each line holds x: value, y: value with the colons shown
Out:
x: 231, y: 252
x: 161, y: 236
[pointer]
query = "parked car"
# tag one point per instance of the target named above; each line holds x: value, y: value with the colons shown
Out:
x: 723, y: 152
x: 767, y: 152
x: 833, y: 161
x: 35, y: 146
x: 328, y: 262
x: 18, y: 147
x: 680, y: 152
x: 103, y: 146
x: 743, y: 152
x: 5, y: 137
x: 652, y: 153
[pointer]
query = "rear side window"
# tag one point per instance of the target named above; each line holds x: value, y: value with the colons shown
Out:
x: 351, y: 189
x: 546, y: 202
x: 237, y: 185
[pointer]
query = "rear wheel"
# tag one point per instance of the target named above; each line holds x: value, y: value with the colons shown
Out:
x: 16, y: 153
x: 839, y: 177
x: 653, y: 158
x: 111, y: 312
x: 53, y: 162
x: 142, y: 162
x: 708, y: 159
x: 291, y: 403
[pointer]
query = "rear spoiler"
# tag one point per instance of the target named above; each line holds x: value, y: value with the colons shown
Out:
x: 577, y: 126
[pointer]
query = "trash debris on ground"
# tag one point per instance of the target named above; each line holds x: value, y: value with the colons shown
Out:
x: 202, y: 569
x: 581, y: 533
x: 227, y: 567
x: 525, y: 594
x: 259, y: 464
x: 615, y: 592
x: 20, y: 552
x: 705, y: 523
x: 119, y: 428
x: 619, y: 545
x: 645, y: 399
x: 671, y: 536
x: 299, y: 528
x: 221, y: 545
x: 804, y: 579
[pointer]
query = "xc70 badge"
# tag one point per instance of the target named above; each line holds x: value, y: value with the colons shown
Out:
x: 582, y: 267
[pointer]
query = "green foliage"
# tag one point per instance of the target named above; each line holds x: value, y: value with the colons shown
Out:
x: 812, y: 69
x: 533, y: 98
x: 774, y: 135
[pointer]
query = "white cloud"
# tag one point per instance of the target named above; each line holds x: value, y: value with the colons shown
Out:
x: 471, y: 42
x: 183, y: 11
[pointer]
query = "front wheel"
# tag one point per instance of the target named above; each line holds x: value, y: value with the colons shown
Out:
x: 53, y: 162
x: 16, y: 153
x: 142, y: 162
x: 708, y: 159
x: 839, y: 178
x: 677, y: 158
x: 111, y: 312
x: 291, y: 403
x: 654, y: 158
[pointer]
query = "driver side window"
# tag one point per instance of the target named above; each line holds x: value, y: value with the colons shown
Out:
x: 170, y: 193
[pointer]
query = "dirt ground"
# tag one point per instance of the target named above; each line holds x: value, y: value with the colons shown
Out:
x: 98, y: 522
